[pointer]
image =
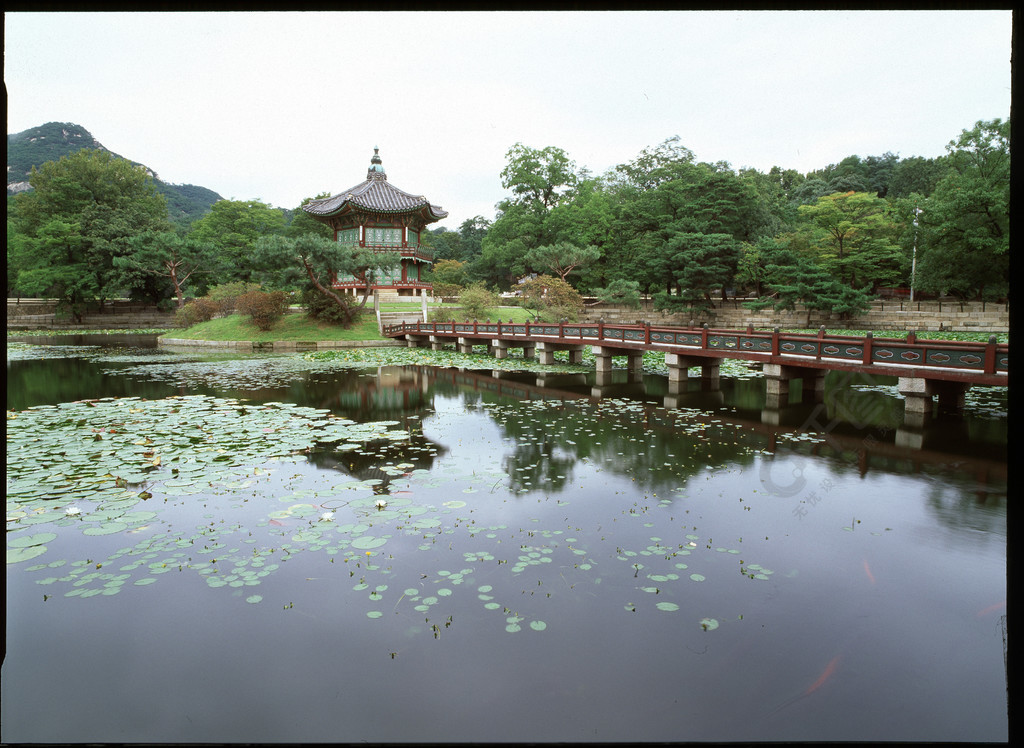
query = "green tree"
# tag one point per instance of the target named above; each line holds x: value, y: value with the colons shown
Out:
x: 538, y: 178
x: 916, y: 175
x: 472, y: 230
x: 701, y: 263
x: 80, y: 214
x: 791, y: 277
x: 322, y: 260
x: 166, y: 254
x: 852, y: 234
x: 451, y: 272
x: 232, y: 228
x: 562, y: 258
x: 620, y: 292
x: 966, y: 221
x: 653, y: 165
x: 303, y: 223
x: 515, y: 231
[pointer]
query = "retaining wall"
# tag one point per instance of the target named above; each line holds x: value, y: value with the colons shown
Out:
x: 972, y: 316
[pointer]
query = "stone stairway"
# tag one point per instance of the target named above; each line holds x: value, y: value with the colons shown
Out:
x: 394, y: 318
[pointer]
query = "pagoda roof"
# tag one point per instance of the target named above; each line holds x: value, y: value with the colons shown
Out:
x: 376, y: 195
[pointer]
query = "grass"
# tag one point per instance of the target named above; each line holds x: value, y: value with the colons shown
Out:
x: 297, y: 327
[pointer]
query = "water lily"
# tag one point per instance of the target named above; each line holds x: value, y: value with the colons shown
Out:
x: 71, y: 511
x: 381, y: 503
x: 327, y: 517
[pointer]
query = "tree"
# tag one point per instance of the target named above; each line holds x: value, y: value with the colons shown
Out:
x: 791, y: 278
x: 232, y: 228
x: 619, y: 292
x: 853, y: 235
x: 562, y: 258
x: 451, y: 272
x: 653, y: 165
x: 322, y: 260
x: 916, y: 175
x: 472, y: 230
x: 80, y: 214
x: 701, y: 263
x: 303, y: 223
x: 538, y: 178
x: 966, y: 221
x: 166, y: 254
x: 515, y: 232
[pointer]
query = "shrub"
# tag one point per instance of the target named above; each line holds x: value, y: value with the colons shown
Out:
x: 448, y: 290
x: 553, y: 299
x: 264, y: 308
x: 477, y: 302
x: 226, y: 295
x: 443, y: 314
x: 196, y: 311
x: 324, y: 309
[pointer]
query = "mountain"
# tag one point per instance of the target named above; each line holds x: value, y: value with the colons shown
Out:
x: 37, y: 145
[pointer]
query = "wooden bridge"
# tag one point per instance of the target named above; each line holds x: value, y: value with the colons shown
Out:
x: 925, y: 368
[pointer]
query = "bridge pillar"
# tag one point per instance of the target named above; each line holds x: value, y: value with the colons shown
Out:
x: 498, y: 348
x: 464, y: 345
x: 545, y: 352
x: 918, y: 393
x: 413, y: 341
x: 603, y: 358
x: 678, y: 366
x: 777, y: 380
x: 437, y: 343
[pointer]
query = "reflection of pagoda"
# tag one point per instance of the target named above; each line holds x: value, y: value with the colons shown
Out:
x: 377, y: 215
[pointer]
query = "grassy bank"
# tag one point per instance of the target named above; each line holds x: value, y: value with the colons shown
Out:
x: 299, y: 327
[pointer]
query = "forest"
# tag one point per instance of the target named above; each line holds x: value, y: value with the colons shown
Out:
x: 665, y: 225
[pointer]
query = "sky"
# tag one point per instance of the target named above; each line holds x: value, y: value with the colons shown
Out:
x: 281, y: 106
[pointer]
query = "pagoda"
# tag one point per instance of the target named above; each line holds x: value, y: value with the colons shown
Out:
x: 377, y: 215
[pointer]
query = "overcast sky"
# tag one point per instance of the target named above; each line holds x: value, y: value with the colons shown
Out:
x: 283, y: 106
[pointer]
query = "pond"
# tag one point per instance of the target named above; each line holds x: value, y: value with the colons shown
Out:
x: 260, y: 548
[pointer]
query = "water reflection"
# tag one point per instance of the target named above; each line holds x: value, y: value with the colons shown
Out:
x: 878, y: 555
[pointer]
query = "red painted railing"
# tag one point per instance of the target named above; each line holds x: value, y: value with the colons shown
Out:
x: 981, y: 363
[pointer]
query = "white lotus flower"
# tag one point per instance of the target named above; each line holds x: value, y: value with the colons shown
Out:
x: 327, y: 517
x: 381, y: 503
x: 71, y: 511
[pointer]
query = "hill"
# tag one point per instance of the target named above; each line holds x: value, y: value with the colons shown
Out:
x: 37, y: 145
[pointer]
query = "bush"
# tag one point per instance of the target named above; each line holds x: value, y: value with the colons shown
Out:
x: 324, y: 309
x: 448, y: 290
x: 196, y: 311
x: 443, y: 314
x: 264, y: 308
x: 553, y: 299
x: 477, y: 302
x: 226, y: 295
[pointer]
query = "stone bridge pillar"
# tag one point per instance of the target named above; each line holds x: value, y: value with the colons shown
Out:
x: 777, y: 379
x: 678, y: 366
x: 603, y: 357
x: 918, y: 393
x: 546, y: 352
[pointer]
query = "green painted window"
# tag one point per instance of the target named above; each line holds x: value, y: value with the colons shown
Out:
x: 389, y: 237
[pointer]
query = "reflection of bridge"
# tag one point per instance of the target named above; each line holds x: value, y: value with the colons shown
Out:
x: 913, y: 448
x: 925, y: 368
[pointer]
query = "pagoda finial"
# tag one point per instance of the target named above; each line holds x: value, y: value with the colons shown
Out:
x: 376, y: 170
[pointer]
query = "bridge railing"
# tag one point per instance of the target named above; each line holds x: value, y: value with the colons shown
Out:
x: 984, y: 358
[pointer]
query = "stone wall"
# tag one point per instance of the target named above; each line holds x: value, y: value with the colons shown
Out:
x: 968, y: 316
x: 40, y: 314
